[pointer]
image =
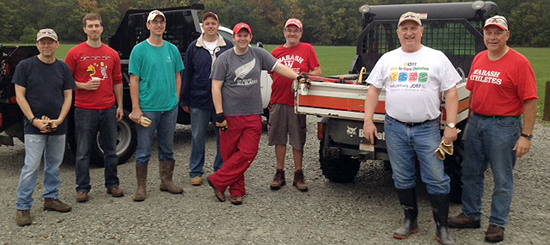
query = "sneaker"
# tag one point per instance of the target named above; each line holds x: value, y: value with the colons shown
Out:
x: 278, y: 180
x: 196, y: 181
x: 463, y: 221
x: 23, y: 217
x: 56, y: 205
x: 115, y: 192
x: 494, y: 233
x: 82, y: 196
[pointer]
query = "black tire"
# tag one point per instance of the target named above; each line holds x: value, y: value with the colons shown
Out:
x: 125, y: 146
x: 336, y: 167
x: 453, y: 168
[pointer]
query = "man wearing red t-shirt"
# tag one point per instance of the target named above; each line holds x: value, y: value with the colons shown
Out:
x: 504, y: 89
x: 97, y: 73
x: 301, y: 57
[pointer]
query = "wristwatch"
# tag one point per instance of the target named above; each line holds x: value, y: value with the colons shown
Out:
x: 527, y: 136
x: 451, y: 125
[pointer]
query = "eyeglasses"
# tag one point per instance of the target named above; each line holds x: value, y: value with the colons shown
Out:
x: 158, y: 22
x: 293, y: 32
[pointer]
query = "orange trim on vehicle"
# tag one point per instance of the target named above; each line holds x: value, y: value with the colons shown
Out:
x: 336, y: 103
x: 358, y: 105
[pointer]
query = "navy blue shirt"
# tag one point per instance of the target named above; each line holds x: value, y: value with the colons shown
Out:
x: 197, y: 85
x: 45, y: 84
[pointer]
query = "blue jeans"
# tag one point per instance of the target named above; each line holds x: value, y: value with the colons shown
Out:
x: 200, y: 119
x: 489, y: 141
x: 51, y: 148
x: 164, y: 123
x: 87, y: 123
x: 406, y: 144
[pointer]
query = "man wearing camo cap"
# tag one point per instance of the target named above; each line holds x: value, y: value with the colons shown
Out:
x: 44, y: 89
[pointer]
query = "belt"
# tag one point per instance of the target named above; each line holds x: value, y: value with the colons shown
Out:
x: 412, y: 124
x: 483, y: 116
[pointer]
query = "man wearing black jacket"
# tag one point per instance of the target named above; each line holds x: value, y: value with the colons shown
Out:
x: 196, y: 97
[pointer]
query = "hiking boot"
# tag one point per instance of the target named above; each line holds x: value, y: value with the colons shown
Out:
x: 299, y: 180
x: 115, y: 192
x: 82, y: 196
x: 56, y: 205
x: 166, y: 170
x: 278, y: 180
x: 23, y: 217
x: 494, y: 233
x: 196, y: 181
x: 236, y: 200
x: 407, y: 199
x: 463, y: 221
x: 219, y: 194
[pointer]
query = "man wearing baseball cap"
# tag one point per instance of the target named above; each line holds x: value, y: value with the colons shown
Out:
x: 414, y: 77
x: 44, y: 88
x: 237, y: 100
x: 284, y: 123
x: 155, y: 85
x: 504, y: 90
x: 196, y: 97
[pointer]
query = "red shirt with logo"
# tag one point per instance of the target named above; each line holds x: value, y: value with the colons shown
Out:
x: 500, y: 87
x: 87, y: 62
x: 300, y: 58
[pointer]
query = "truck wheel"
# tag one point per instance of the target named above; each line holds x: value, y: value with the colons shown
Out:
x: 338, y: 168
x: 453, y: 168
x: 125, y: 146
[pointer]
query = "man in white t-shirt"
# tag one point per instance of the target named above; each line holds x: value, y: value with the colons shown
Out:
x: 414, y: 76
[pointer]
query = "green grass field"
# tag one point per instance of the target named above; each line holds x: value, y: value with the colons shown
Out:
x: 337, y: 60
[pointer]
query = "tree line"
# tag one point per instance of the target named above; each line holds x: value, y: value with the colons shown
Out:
x: 326, y: 22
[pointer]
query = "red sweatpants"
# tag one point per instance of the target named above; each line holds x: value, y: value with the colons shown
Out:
x: 239, y: 145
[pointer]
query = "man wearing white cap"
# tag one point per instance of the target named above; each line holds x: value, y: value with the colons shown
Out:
x: 155, y: 85
x: 283, y: 122
x: 414, y: 76
x: 504, y: 89
x: 44, y: 88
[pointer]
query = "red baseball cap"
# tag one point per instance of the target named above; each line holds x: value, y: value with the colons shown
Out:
x: 295, y: 22
x: 240, y: 26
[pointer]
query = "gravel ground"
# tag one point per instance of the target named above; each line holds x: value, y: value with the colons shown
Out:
x: 363, y: 212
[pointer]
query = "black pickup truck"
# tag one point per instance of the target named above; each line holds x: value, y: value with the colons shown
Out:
x: 183, y: 27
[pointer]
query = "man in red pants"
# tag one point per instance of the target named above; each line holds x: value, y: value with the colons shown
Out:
x: 238, y: 103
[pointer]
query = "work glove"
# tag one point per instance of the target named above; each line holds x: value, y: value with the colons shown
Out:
x: 303, y: 79
x: 143, y: 121
x: 221, y: 123
x: 49, y: 125
x: 445, y: 149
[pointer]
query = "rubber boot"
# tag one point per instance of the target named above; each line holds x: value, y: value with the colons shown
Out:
x: 440, y: 209
x: 141, y: 175
x: 407, y: 199
x: 166, y: 170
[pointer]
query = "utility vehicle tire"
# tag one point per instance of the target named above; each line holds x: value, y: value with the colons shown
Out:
x: 125, y: 145
x: 338, y: 168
